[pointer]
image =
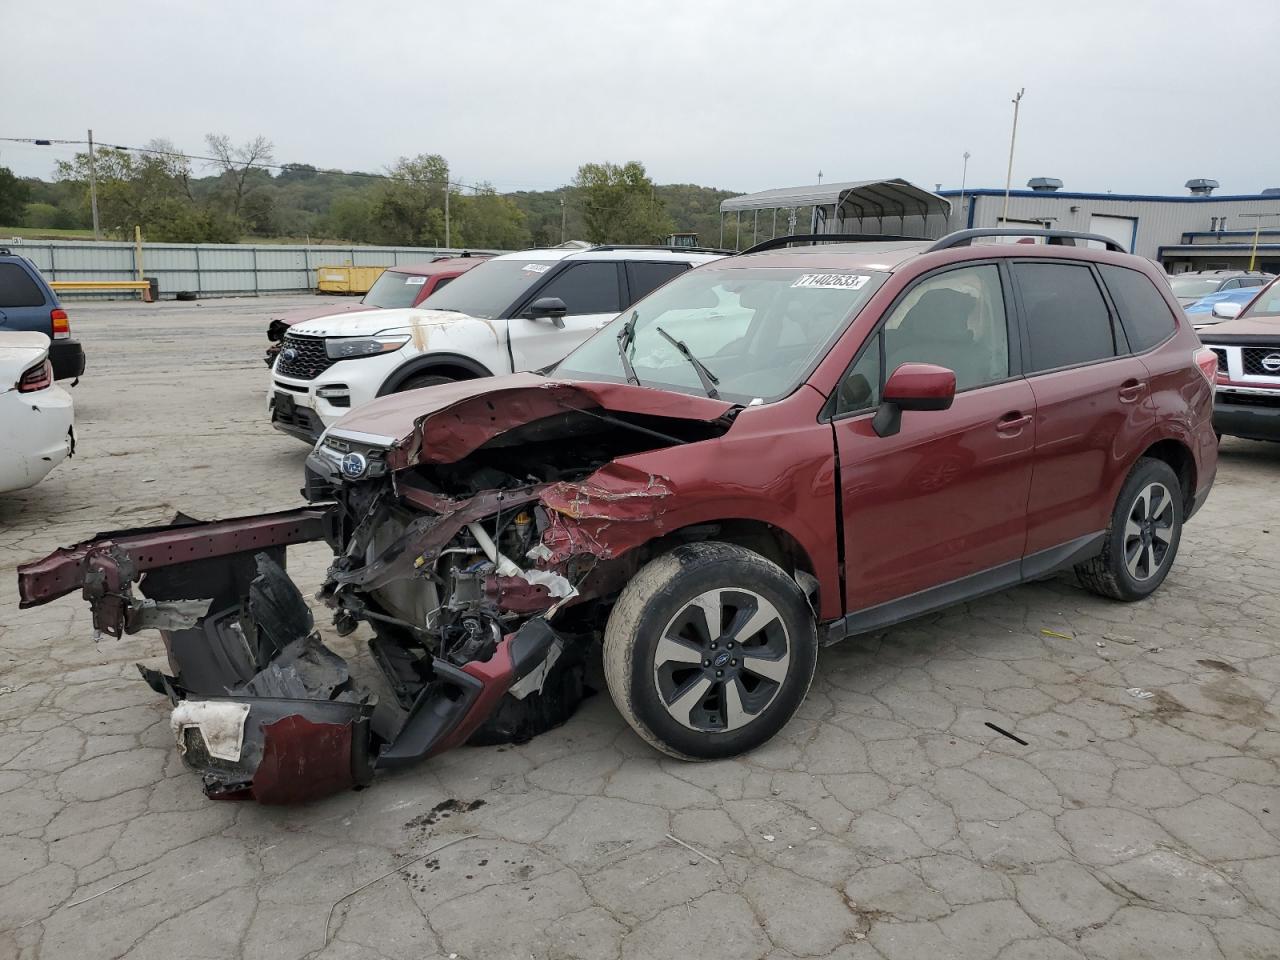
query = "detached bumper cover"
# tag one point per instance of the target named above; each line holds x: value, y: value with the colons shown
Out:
x: 263, y: 710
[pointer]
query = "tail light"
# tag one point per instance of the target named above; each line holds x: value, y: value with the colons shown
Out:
x: 36, y: 378
x: 1207, y: 361
x: 61, y: 324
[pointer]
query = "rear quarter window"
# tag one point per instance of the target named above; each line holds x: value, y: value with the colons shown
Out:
x: 1144, y: 314
x: 17, y: 288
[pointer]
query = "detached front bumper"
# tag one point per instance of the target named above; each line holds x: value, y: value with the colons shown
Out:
x: 263, y: 709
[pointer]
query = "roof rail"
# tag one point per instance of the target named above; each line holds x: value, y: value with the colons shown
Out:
x: 5, y: 252
x: 655, y: 246
x: 1062, y: 238
x: 815, y: 238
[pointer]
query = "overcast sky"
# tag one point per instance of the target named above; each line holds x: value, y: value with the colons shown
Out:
x: 1120, y: 95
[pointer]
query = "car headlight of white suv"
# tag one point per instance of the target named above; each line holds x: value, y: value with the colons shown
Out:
x: 348, y: 348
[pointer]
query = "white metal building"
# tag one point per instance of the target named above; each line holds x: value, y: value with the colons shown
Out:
x: 1196, y: 231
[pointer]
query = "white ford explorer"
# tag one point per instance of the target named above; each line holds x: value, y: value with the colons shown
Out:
x: 516, y: 312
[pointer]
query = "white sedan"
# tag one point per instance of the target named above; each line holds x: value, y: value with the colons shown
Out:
x: 37, y: 430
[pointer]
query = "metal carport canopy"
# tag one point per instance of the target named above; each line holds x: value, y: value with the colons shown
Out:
x: 896, y: 198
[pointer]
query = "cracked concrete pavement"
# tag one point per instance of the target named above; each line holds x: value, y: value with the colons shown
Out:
x: 887, y: 821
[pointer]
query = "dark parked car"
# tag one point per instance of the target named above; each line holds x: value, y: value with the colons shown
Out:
x: 404, y: 285
x: 1247, y: 403
x: 28, y: 303
x: 874, y: 431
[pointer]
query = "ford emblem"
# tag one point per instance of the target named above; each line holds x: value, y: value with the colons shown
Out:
x: 289, y: 355
x: 354, y: 466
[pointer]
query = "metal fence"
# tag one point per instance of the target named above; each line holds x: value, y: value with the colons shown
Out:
x: 209, y: 269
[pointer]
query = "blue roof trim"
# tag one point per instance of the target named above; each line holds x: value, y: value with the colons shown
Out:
x: 1229, y: 233
x: 1107, y: 196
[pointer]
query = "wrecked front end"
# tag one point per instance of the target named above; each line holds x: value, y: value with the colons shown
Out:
x: 476, y: 565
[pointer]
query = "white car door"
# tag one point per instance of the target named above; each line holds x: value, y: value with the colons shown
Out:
x: 592, y: 292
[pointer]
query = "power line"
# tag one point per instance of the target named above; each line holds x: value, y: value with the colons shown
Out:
x: 46, y: 142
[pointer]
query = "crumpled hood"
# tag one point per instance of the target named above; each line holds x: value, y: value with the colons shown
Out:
x: 445, y: 423
x: 1244, y: 327
x: 368, y: 322
x: 302, y: 314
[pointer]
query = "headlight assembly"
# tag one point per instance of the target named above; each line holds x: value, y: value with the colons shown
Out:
x: 348, y: 348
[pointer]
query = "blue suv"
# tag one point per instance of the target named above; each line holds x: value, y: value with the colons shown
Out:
x: 28, y: 303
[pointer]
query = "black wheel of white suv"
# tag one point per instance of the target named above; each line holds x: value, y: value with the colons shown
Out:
x: 1142, y: 537
x: 709, y: 651
x: 423, y: 380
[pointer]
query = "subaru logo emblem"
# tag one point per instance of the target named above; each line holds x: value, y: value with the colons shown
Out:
x: 1271, y: 363
x: 722, y: 660
x: 354, y: 466
x: 289, y: 355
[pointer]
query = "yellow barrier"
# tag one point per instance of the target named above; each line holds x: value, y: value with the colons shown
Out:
x: 81, y: 286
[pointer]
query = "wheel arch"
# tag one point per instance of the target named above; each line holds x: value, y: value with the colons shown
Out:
x: 768, y: 540
x: 455, y: 365
x: 1183, y: 463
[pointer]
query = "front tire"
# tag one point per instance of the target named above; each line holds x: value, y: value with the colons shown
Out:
x: 1142, y: 537
x: 709, y: 651
x: 424, y: 380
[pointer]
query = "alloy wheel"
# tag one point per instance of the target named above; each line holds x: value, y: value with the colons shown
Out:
x: 1148, y: 531
x: 721, y: 660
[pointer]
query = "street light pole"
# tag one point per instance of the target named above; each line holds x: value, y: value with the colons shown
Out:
x: 964, y: 175
x: 1013, y: 136
x: 93, y: 188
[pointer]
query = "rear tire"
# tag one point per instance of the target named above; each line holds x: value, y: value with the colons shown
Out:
x: 1142, y: 538
x: 709, y: 651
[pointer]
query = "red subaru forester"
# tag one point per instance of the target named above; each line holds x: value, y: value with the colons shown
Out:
x: 769, y: 453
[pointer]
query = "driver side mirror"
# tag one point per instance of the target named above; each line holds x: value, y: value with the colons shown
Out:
x: 548, y: 308
x: 913, y: 386
x: 1227, y: 311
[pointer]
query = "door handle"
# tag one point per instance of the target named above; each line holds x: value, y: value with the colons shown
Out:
x: 1013, y: 422
x: 1132, y: 390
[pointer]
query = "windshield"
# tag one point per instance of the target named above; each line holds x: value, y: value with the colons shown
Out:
x: 1194, y: 286
x: 758, y: 331
x: 489, y: 289
x: 1267, y: 304
x: 394, y: 289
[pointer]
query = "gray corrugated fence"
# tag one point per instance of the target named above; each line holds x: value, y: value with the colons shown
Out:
x: 208, y: 269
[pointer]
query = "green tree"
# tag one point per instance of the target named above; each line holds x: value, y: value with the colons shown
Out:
x: 488, y: 220
x: 409, y: 208
x: 14, y: 194
x: 620, y: 204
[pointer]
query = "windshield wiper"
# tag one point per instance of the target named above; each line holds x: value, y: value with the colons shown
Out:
x: 625, y: 338
x: 708, y: 379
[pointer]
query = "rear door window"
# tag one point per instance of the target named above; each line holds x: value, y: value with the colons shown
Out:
x: 1067, y: 320
x: 1144, y: 314
x: 17, y: 288
x: 644, y: 278
x: 586, y: 288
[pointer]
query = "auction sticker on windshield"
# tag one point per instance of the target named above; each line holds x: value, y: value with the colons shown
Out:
x: 415, y: 281
x: 832, y: 281
x: 535, y: 268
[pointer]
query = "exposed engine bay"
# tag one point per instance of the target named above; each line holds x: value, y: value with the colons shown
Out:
x: 483, y: 578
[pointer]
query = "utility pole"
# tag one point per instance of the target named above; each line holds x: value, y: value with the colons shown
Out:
x: 563, y: 221
x: 447, y: 245
x: 964, y: 175
x: 93, y: 188
x: 1013, y: 136
x: 1257, y: 229
x: 819, y: 177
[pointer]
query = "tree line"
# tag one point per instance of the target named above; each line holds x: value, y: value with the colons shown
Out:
x: 243, y: 194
